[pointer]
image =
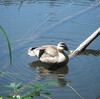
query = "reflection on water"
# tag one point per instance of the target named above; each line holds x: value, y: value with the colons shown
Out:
x: 40, y: 22
x: 21, y: 2
x: 90, y: 51
x: 51, y: 2
x: 46, y: 70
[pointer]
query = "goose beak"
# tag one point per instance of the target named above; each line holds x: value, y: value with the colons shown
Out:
x: 70, y: 51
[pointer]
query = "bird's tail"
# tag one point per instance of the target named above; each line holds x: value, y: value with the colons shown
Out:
x: 31, y: 51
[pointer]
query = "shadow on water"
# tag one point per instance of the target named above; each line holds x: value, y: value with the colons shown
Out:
x: 90, y: 51
x: 45, y: 70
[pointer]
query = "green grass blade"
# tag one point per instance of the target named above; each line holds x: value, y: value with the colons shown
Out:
x: 75, y: 91
x: 8, y: 45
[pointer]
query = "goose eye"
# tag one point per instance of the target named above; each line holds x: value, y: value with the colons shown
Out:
x: 63, y: 45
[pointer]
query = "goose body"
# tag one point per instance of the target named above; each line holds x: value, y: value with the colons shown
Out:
x: 51, y: 54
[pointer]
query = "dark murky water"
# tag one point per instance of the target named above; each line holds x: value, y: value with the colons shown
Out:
x: 41, y: 22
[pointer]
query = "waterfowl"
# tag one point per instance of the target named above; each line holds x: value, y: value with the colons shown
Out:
x: 51, y: 54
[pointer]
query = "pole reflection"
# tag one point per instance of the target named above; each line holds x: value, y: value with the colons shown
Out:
x: 90, y: 51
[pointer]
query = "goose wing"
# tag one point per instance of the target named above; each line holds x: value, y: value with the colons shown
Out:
x: 46, y: 51
x: 50, y: 54
x: 36, y: 51
x: 50, y: 50
x: 47, y: 54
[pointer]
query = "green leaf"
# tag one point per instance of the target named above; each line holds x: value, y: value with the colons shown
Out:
x: 36, y: 94
x: 8, y: 45
x: 19, y: 89
x: 7, y: 92
x: 47, y: 93
x: 18, y: 85
x: 8, y: 86
x: 28, y: 95
x: 18, y: 97
x: 13, y: 85
x: 36, y: 84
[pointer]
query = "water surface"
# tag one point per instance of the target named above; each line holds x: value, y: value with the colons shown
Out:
x: 36, y: 23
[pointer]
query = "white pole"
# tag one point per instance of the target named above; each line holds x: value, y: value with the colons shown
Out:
x: 84, y: 44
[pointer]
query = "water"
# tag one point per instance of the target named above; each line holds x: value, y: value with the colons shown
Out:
x: 36, y: 23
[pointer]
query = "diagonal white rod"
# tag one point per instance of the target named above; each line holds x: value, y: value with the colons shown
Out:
x: 84, y: 44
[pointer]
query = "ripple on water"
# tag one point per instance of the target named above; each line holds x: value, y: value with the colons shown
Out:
x: 82, y: 72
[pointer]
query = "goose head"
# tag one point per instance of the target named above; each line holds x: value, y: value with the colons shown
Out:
x: 62, y: 46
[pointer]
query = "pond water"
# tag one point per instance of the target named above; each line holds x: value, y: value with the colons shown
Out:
x: 42, y: 22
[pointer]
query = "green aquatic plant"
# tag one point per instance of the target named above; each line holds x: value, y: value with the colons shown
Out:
x: 8, y: 44
x: 31, y: 90
x: 75, y: 91
x: 14, y: 89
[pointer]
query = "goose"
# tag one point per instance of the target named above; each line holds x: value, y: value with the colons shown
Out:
x: 51, y: 54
